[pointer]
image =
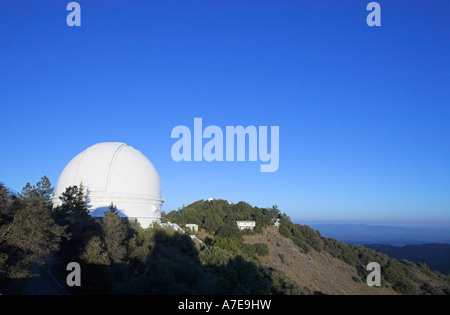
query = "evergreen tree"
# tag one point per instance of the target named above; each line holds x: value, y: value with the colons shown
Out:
x: 112, y: 208
x: 115, y: 234
x: 95, y: 253
x: 81, y: 203
x: 73, y: 202
x: 28, y: 233
x: 43, y: 189
x: 81, y: 227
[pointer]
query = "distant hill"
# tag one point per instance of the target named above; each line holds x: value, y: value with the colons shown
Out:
x: 436, y: 256
x: 379, y: 234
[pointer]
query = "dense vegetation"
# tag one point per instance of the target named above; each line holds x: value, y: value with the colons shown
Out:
x: 118, y: 256
x: 215, y: 214
x: 28, y: 232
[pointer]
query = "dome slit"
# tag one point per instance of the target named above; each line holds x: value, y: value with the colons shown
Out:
x: 111, y: 165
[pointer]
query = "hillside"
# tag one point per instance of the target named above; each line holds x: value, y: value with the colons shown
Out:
x: 314, y: 262
x: 436, y: 256
x: 319, y: 272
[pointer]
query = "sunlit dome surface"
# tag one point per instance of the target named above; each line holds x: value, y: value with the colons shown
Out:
x: 115, y: 172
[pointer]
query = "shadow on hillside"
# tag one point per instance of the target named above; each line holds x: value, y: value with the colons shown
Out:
x: 172, y: 266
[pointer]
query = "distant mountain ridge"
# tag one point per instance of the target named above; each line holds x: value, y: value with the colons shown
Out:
x: 379, y: 234
x: 436, y: 256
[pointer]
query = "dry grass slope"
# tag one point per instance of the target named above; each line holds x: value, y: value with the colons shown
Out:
x: 316, y: 271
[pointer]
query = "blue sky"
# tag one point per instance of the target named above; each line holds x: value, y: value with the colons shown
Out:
x: 364, y: 113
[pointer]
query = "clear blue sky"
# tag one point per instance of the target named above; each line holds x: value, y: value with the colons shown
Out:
x: 364, y: 113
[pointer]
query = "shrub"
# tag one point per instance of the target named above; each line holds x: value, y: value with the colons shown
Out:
x: 261, y: 249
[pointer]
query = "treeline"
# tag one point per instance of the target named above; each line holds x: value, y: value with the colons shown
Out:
x: 118, y: 256
x: 401, y: 275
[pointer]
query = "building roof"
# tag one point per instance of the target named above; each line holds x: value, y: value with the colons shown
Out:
x: 112, y: 171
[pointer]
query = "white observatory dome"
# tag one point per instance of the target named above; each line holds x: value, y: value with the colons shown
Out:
x: 115, y: 172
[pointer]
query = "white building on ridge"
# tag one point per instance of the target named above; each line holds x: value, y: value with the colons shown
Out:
x: 242, y: 225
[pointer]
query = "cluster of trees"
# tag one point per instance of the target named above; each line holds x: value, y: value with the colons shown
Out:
x: 212, y: 215
x: 400, y: 275
x: 218, y: 219
x: 118, y: 256
x: 28, y: 232
x: 303, y: 236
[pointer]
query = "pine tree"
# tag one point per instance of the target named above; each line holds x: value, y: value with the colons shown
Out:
x: 43, y: 189
x: 81, y: 204
x: 73, y: 202
x: 115, y: 233
x: 112, y: 208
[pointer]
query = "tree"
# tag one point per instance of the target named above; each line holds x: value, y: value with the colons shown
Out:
x: 95, y: 253
x: 226, y: 244
x: 112, y: 208
x: 81, y: 227
x: 73, y: 202
x: 81, y: 200
x: 215, y: 256
x: 115, y: 233
x: 43, y: 190
x: 28, y: 233
x: 280, y: 284
x: 212, y: 222
x: 231, y: 231
x: 9, y: 204
x: 261, y: 249
x: 286, y: 227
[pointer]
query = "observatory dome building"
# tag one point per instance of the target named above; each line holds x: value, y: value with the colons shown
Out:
x: 115, y: 172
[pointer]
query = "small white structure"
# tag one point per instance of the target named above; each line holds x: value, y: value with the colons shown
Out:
x: 115, y: 172
x: 242, y: 225
x: 276, y: 223
x: 210, y: 199
x: 193, y: 227
x: 174, y: 226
